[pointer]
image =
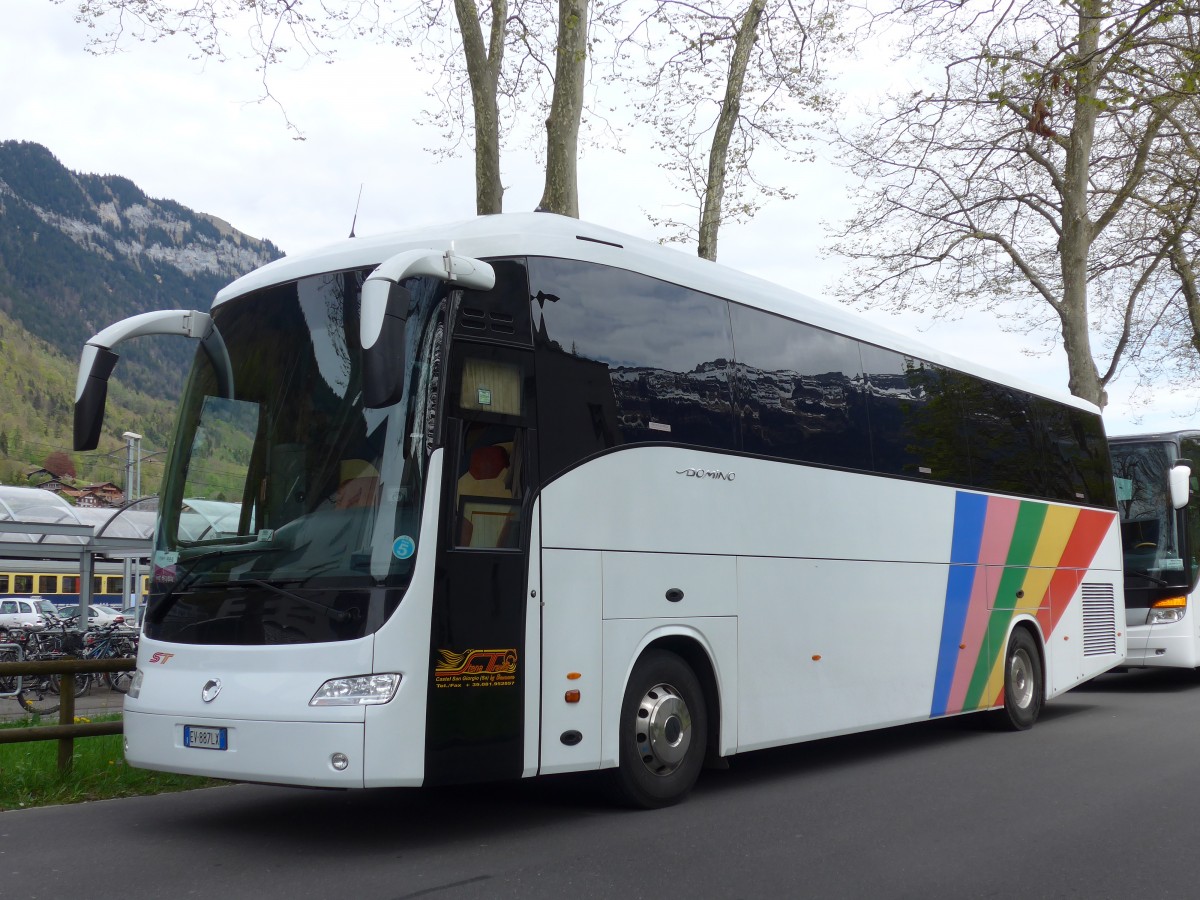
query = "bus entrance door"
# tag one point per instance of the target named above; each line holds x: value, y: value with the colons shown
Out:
x: 476, y: 711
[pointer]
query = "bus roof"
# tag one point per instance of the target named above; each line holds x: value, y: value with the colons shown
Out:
x: 1150, y: 437
x: 546, y: 234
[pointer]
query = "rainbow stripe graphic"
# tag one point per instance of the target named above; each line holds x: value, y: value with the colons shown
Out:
x: 1007, y: 556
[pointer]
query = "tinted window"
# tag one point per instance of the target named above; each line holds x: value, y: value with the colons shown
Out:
x: 799, y: 391
x: 623, y: 358
x: 916, y: 417
x: 1085, y: 450
x: 1021, y: 443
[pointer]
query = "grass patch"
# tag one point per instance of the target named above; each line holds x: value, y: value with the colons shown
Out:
x: 29, y: 772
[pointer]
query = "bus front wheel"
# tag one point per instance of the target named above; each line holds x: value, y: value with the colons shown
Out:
x: 663, y: 733
x: 1024, y: 689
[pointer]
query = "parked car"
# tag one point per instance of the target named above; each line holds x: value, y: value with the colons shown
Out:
x: 49, y: 611
x: 98, y: 616
x: 20, y: 612
x: 134, y: 615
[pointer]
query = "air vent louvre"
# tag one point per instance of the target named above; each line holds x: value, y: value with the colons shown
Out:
x: 474, y: 319
x: 1099, y: 619
x: 485, y: 320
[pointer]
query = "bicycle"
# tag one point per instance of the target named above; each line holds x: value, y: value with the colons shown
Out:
x: 39, y: 694
x: 110, y: 643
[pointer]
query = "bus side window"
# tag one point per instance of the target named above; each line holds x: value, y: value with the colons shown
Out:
x: 47, y: 584
x: 22, y: 584
x: 3, y: 584
x: 97, y: 585
x: 70, y: 584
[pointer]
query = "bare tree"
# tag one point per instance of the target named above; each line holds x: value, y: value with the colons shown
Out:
x: 1010, y: 183
x: 723, y: 78
x: 561, y: 194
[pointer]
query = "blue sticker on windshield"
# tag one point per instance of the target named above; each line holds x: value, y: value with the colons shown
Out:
x: 403, y: 547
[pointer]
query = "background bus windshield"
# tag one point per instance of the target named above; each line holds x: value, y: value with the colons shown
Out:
x: 1149, y: 524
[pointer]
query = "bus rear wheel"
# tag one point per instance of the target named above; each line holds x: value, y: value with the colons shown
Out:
x: 1024, y: 687
x: 663, y: 733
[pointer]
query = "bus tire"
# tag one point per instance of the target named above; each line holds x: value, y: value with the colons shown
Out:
x: 663, y: 732
x: 1024, y: 685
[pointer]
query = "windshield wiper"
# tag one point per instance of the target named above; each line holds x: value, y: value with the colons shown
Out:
x: 335, y: 615
x: 1144, y: 574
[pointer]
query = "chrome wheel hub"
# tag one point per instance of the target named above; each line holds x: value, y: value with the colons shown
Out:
x: 663, y: 729
x: 1020, y: 679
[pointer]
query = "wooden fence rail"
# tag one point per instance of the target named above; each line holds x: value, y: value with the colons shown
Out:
x: 67, y: 729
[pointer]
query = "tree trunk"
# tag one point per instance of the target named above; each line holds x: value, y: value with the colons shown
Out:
x: 483, y: 70
x: 561, y: 194
x: 714, y: 191
x: 1077, y: 228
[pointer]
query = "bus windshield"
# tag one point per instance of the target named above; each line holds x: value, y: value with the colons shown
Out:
x: 290, y: 512
x: 1150, y: 534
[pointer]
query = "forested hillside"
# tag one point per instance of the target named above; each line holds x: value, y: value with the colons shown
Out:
x: 78, y: 252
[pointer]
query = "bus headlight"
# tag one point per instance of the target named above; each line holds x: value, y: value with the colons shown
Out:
x: 1164, y: 611
x: 135, y: 685
x: 357, y: 690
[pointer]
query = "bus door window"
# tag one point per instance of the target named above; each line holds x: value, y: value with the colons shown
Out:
x: 490, y: 478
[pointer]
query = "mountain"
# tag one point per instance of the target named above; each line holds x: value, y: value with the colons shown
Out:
x: 77, y: 253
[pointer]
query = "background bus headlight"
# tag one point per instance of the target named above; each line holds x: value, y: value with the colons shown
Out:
x: 357, y: 690
x: 1168, y: 610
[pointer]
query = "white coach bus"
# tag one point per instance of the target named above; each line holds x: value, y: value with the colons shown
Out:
x: 524, y: 495
x: 1158, y: 499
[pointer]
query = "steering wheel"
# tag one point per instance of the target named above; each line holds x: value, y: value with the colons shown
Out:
x: 1145, y: 545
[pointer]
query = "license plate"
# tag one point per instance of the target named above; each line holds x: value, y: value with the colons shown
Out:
x: 204, y: 738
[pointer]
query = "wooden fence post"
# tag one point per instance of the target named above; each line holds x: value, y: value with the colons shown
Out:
x: 66, y: 716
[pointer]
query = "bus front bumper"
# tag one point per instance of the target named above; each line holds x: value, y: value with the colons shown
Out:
x: 1172, y: 645
x: 313, y: 754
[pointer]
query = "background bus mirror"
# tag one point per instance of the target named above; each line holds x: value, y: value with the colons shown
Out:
x: 1180, y: 484
x: 383, y: 361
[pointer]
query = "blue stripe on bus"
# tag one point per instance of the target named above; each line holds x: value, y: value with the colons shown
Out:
x: 970, y: 511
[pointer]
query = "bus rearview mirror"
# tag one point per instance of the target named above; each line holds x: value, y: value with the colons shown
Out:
x: 1180, y: 484
x: 98, y: 360
x: 384, y: 310
x: 383, y: 361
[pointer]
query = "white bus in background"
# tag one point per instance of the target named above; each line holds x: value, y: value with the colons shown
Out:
x: 525, y: 495
x: 1158, y: 498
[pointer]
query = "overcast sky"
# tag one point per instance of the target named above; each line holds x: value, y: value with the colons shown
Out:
x: 190, y: 131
